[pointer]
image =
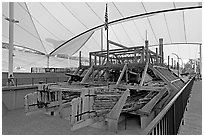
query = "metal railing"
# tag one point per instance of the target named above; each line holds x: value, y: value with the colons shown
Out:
x: 168, y: 121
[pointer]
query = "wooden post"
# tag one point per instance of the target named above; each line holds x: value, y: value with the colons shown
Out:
x: 90, y: 59
x: 172, y: 61
x: 101, y: 39
x: 135, y: 55
x: 99, y: 60
x: 95, y: 60
x: 157, y: 60
x: 79, y: 58
x: 144, y: 73
x: 161, y: 49
x: 142, y: 56
x: 168, y: 62
x: 146, y: 50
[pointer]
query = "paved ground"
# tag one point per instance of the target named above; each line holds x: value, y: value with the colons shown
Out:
x: 193, y: 115
x: 17, y: 123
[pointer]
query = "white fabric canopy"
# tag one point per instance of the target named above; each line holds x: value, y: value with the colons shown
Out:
x: 46, y: 26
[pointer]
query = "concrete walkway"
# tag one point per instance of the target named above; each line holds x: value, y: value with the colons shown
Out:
x: 193, y: 115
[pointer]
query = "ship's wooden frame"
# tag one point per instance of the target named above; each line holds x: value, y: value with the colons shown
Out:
x: 127, y: 80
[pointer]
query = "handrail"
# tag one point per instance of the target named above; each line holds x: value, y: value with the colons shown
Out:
x: 156, y: 120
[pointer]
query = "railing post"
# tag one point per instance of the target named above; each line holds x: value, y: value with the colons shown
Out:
x: 174, y: 118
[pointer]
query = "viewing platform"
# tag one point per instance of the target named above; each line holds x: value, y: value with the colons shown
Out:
x: 193, y: 115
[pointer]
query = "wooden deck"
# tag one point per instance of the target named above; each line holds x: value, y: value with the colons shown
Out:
x: 193, y: 115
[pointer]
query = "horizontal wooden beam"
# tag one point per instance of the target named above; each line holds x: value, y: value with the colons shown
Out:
x: 117, y: 44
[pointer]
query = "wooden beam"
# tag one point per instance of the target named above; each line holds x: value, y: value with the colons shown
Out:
x: 117, y: 44
x: 79, y: 58
x: 121, y: 74
x: 87, y: 74
x: 144, y: 73
x: 150, y: 105
x: 113, y: 116
x: 157, y: 60
x: 164, y: 79
x: 90, y: 54
x: 149, y: 88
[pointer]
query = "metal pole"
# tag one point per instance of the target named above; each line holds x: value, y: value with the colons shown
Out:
x: 11, y: 37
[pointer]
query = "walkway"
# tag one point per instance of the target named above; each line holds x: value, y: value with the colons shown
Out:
x: 193, y: 115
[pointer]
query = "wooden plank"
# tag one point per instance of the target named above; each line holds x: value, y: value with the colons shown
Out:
x: 164, y: 79
x: 140, y: 87
x: 121, y: 74
x: 175, y: 80
x: 83, y: 123
x: 74, y: 104
x: 26, y: 103
x: 91, y: 99
x: 79, y: 108
x: 150, y: 105
x: 85, y: 106
x: 35, y: 98
x: 60, y: 102
x: 87, y: 74
x: 113, y: 116
x: 144, y: 72
x: 117, y: 44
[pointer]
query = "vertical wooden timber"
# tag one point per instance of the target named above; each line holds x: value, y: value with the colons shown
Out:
x: 95, y: 59
x: 146, y: 50
x: 142, y: 55
x: 99, y: 60
x: 172, y: 62
x: 106, y: 28
x: 90, y: 59
x: 147, y: 63
x: 157, y: 60
x: 135, y: 55
x: 101, y: 39
x: 161, y: 49
x: 79, y: 58
x: 168, y: 61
